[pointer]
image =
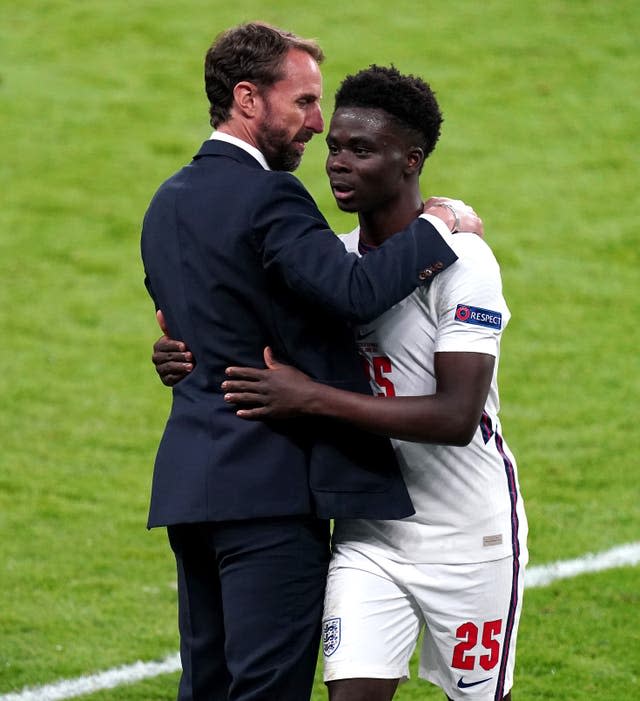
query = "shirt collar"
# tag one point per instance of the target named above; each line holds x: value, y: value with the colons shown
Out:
x: 252, y: 150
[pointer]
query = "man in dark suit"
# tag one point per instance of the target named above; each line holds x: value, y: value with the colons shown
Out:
x: 238, y: 257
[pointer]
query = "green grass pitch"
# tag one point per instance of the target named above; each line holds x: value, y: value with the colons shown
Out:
x: 100, y: 101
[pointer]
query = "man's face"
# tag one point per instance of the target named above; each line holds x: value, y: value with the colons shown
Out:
x: 367, y: 159
x: 291, y: 114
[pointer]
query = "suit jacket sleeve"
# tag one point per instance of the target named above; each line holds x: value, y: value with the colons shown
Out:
x: 296, y: 242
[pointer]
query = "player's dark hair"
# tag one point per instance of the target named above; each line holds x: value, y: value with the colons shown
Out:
x: 254, y: 52
x: 409, y: 101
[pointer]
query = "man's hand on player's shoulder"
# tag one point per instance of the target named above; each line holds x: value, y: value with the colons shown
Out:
x: 457, y: 215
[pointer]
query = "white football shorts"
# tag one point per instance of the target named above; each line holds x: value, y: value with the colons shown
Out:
x: 375, y: 609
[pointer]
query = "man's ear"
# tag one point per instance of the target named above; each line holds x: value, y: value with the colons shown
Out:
x: 415, y: 159
x: 246, y: 98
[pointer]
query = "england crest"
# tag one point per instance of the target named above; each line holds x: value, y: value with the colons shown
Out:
x: 330, y: 636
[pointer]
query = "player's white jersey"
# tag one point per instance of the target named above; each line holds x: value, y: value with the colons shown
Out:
x: 467, y: 499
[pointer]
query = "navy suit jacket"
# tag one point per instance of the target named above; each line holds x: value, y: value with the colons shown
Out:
x: 238, y: 258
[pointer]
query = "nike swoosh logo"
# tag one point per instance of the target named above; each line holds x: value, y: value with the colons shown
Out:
x: 364, y: 334
x: 465, y: 685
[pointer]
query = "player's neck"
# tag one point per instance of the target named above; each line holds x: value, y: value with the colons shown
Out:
x: 378, y: 225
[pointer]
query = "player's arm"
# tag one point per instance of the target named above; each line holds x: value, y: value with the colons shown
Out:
x: 174, y: 361
x: 449, y: 416
x: 297, y: 248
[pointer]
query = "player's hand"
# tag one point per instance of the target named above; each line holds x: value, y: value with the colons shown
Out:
x: 457, y: 215
x: 277, y: 392
x: 172, y: 358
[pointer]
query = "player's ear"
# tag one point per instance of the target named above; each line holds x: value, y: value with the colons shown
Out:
x: 415, y: 159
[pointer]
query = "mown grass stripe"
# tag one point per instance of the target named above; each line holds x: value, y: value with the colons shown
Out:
x: 540, y: 576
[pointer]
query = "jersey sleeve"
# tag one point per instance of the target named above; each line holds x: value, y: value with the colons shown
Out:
x: 470, y: 307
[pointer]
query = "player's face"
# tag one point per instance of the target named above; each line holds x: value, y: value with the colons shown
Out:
x: 367, y: 159
x: 291, y: 112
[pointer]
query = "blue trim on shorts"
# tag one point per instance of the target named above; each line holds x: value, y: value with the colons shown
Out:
x: 515, y: 547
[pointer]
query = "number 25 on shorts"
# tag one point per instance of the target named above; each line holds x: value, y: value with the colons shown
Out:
x: 467, y: 633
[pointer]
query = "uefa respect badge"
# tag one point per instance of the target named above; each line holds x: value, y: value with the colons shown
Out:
x: 478, y: 316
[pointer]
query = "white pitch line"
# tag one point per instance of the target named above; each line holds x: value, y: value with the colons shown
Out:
x: 70, y: 688
x: 540, y: 576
